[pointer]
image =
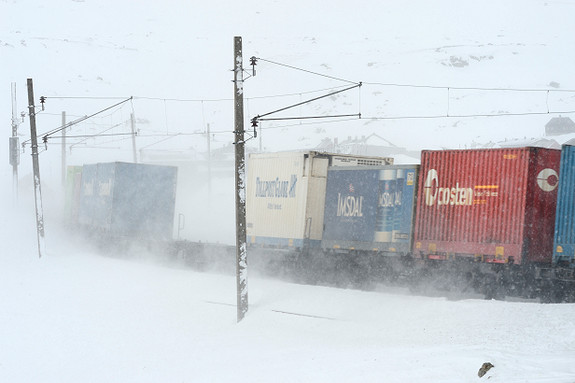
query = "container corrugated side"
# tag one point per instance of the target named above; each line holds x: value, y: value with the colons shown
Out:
x: 144, y: 200
x: 124, y: 199
x: 541, y: 204
x: 564, y: 244
x: 73, y: 189
x: 495, y: 204
x: 370, y: 209
x: 95, y: 202
x: 104, y: 188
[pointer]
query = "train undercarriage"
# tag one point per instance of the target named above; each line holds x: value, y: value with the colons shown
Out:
x: 455, y: 277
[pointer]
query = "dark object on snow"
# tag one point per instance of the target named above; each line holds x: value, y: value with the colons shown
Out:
x: 483, y: 370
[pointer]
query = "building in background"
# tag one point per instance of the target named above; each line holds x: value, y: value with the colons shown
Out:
x: 559, y: 125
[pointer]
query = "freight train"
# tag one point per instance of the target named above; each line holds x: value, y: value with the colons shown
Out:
x: 480, y: 219
x: 497, y: 221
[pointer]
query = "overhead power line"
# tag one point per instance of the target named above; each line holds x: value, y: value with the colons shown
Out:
x: 46, y: 135
x: 198, y: 100
x: 468, y: 88
x: 358, y: 115
x: 397, y: 118
x: 305, y: 70
x: 101, y: 134
x: 95, y: 135
x: 339, y: 89
x: 231, y: 99
x: 466, y: 115
x: 85, y: 97
x: 401, y: 85
x: 259, y: 117
x: 51, y: 132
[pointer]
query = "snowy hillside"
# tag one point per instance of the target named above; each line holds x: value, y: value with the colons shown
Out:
x: 184, y: 51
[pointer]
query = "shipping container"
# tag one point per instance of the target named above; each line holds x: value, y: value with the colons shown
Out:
x: 286, y: 195
x: 72, y: 190
x: 497, y: 205
x: 370, y: 209
x: 128, y: 200
x: 564, y: 246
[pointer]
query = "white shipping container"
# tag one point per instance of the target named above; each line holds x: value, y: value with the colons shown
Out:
x: 286, y: 195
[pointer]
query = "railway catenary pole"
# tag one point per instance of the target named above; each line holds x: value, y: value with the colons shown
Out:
x: 63, y: 151
x: 36, y: 169
x: 133, y: 128
x: 209, y: 160
x: 14, y: 147
x: 240, y: 166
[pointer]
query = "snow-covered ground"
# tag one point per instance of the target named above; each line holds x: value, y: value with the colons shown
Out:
x: 78, y: 316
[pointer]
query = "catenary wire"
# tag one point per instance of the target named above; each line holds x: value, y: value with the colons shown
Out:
x: 468, y: 88
x: 306, y: 71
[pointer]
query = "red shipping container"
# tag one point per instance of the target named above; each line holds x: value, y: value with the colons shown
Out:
x: 494, y: 204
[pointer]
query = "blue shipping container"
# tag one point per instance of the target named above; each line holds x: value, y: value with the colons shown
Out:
x: 128, y: 200
x: 564, y: 240
x: 370, y: 208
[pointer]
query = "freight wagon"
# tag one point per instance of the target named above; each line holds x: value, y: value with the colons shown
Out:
x: 286, y: 196
x: 564, y: 241
x: 370, y: 209
x: 497, y: 205
x: 126, y: 200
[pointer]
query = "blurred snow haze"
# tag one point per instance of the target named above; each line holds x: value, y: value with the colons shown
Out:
x: 440, y: 74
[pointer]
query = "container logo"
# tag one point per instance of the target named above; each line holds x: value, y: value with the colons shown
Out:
x: 389, y: 197
x: 547, y: 179
x: 276, y: 188
x: 430, y: 187
x: 454, y: 196
x: 349, y: 206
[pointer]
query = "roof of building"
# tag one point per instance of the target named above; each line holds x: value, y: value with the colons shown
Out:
x: 560, y: 122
